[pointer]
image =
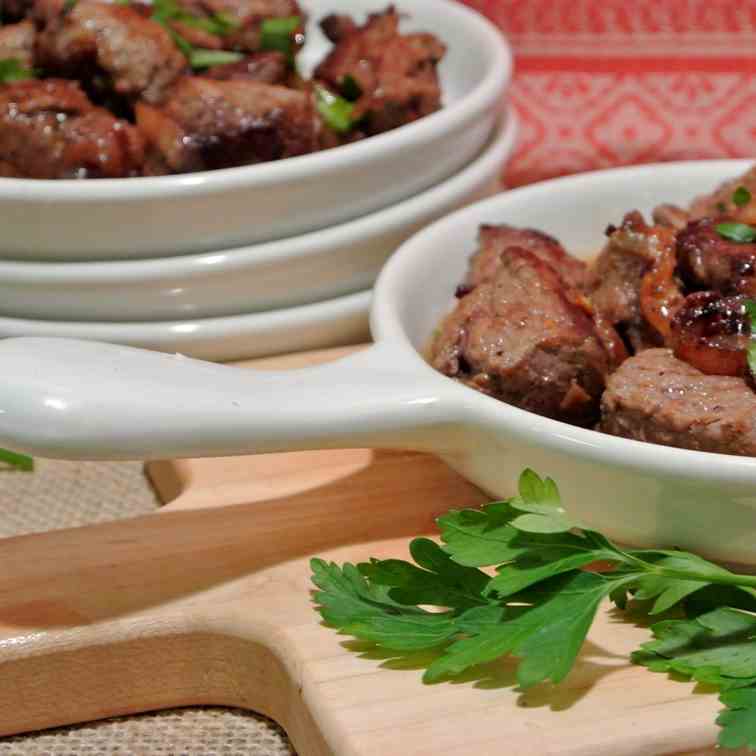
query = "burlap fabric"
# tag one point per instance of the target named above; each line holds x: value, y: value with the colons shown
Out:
x: 66, y: 494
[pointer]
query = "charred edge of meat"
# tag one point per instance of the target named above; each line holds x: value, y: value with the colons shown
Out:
x: 660, y: 293
x: 708, y: 261
x: 712, y: 333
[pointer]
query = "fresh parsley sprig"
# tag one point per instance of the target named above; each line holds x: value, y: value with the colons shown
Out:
x: 750, y: 308
x: 167, y: 12
x: 741, y: 196
x: 541, y: 602
x: 14, y: 459
x: 278, y: 34
x: 741, y: 233
x: 12, y: 69
x: 337, y: 112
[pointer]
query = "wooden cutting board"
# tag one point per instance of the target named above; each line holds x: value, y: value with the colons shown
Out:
x: 208, y: 602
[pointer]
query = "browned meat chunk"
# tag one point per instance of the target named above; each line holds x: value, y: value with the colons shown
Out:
x: 712, y: 332
x: 17, y: 41
x: 524, y: 336
x: 657, y: 398
x: 614, y: 285
x: 720, y: 202
x: 709, y: 261
x: 15, y: 10
x: 136, y: 52
x: 615, y: 279
x: 205, y: 124
x: 670, y: 216
x: 266, y: 67
x: 249, y: 16
x: 493, y: 240
x: 49, y: 129
x: 395, y: 74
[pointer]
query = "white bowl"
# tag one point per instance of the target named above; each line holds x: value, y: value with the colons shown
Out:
x: 309, y: 268
x: 170, y: 215
x: 96, y: 401
x: 333, y: 322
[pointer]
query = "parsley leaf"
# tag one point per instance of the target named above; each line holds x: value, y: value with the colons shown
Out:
x: 737, y: 232
x: 167, y: 11
x: 738, y: 720
x: 336, y: 111
x: 540, y: 604
x: 741, y: 196
x: 548, y: 634
x: 201, y: 58
x: 277, y: 34
x: 750, y: 308
x: 12, y: 69
x: 720, y: 645
x: 19, y: 461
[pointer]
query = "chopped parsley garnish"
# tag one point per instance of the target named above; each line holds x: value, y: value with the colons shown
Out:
x: 68, y: 5
x: 277, y: 34
x: 219, y: 24
x: 201, y: 58
x: 540, y: 602
x: 750, y: 307
x: 19, y: 461
x: 737, y: 232
x: 741, y: 196
x: 167, y: 11
x: 350, y: 88
x: 336, y: 111
x: 12, y: 69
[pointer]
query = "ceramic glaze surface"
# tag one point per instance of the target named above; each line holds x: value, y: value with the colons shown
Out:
x: 171, y: 215
x: 299, y: 270
x: 77, y: 400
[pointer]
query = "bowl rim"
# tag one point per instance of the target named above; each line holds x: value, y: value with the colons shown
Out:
x: 262, y: 175
x: 472, y: 406
x: 89, y: 272
x: 196, y: 327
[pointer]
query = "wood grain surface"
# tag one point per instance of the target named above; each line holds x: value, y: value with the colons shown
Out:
x: 208, y: 602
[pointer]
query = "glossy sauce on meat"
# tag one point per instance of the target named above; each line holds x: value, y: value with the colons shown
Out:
x: 199, y: 86
x: 651, y: 341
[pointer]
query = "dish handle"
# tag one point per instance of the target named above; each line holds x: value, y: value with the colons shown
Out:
x: 73, y: 399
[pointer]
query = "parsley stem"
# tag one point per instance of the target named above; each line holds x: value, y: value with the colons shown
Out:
x: 724, y: 578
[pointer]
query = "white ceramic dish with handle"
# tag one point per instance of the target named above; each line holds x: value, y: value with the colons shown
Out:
x: 94, y: 401
x: 169, y: 215
x: 310, y: 268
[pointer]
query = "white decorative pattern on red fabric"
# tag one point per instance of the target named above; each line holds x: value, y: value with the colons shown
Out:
x: 601, y: 83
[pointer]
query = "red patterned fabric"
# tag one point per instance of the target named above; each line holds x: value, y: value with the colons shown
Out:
x: 601, y: 83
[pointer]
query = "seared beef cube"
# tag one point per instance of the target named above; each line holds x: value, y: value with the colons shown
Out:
x: 394, y: 74
x: 494, y: 240
x: 205, y: 124
x: 49, y: 129
x: 615, y: 280
x: 657, y: 398
x: 525, y: 337
x: 17, y: 41
x: 136, y: 52
x: 709, y: 261
x: 265, y: 67
x: 15, y: 10
x: 670, y: 216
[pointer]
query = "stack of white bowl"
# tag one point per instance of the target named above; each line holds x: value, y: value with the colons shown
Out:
x: 263, y: 259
